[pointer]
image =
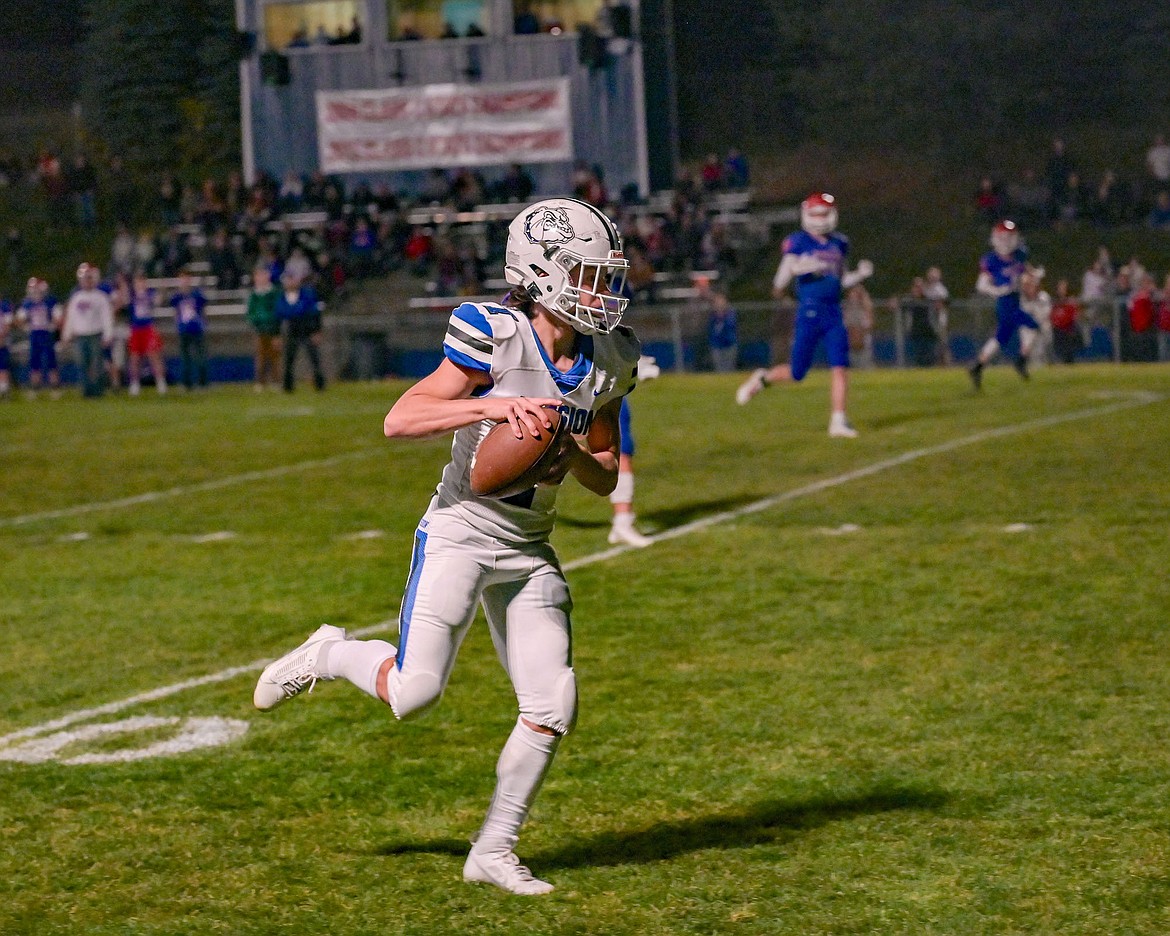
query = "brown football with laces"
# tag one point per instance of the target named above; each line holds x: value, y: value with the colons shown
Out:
x: 504, y: 466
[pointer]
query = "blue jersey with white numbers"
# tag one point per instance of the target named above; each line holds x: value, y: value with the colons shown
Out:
x: 819, y: 292
x: 1006, y: 271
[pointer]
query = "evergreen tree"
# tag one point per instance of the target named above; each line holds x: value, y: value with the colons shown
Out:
x: 160, y: 84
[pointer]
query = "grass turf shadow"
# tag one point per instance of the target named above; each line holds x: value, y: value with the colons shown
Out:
x: 762, y: 823
x: 670, y: 517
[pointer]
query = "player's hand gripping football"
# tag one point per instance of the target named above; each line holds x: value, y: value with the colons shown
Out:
x: 562, y: 464
x: 526, y: 415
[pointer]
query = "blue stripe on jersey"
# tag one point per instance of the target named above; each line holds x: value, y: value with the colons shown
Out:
x: 469, y: 312
x: 416, y: 567
x: 463, y: 360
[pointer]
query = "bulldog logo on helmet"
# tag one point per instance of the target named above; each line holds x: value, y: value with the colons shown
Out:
x: 549, y: 226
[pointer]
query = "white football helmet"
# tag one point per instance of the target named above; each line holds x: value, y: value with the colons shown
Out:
x: 1005, y: 238
x: 818, y: 214
x: 562, y: 251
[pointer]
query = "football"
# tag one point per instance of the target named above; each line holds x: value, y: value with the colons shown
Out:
x: 504, y: 465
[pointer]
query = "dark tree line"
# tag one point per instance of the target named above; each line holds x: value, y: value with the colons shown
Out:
x: 938, y: 74
x: 160, y: 84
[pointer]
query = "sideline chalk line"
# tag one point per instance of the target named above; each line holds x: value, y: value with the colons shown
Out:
x: 1143, y: 399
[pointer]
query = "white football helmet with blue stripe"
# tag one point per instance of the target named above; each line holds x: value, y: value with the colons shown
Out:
x: 567, y: 256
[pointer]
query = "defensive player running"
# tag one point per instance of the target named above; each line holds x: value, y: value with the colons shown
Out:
x: 554, y: 341
x: 1000, y: 271
x: 815, y: 258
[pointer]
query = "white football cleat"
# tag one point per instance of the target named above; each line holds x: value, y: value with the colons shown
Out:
x: 505, y: 872
x: 624, y: 532
x: 296, y: 671
x: 750, y: 387
x: 841, y: 430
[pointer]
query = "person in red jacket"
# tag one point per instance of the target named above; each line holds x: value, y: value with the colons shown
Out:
x: 1066, y: 332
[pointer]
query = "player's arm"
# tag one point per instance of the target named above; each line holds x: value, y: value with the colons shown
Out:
x: 863, y: 272
x: 442, y: 402
x: 593, y: 462
x: 986, y: 286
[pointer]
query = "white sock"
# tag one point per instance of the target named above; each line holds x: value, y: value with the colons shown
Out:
x: 838, y: 418
x: 623, y: 521
x: 356, y: 660
x: 520, y: 771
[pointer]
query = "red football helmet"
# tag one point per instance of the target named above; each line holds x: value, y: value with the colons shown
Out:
x: 818, y: 214
x: 1005, y: 238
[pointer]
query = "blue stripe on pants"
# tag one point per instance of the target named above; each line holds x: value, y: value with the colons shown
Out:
x: 416, y: 565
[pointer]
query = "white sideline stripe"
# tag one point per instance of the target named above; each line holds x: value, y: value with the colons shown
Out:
x: 216, y: 484
x: 687, y: 528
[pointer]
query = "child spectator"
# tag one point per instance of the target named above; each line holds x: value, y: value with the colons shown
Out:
x: 722, y: 333
x: 298, y: 307
x: 40, y: 315
x: 189, y: 303
x: 264, y: 321
x: 1066, y: 333
x: 144, y: 339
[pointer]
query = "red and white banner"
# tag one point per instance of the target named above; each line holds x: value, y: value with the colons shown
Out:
x: 444, y: 125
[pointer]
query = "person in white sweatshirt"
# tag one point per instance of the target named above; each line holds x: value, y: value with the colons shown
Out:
x: 89, y: 323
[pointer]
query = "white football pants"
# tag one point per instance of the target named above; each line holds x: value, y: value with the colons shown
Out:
x: 527, y: 604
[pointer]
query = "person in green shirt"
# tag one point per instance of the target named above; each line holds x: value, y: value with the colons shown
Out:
x: 262, y: 317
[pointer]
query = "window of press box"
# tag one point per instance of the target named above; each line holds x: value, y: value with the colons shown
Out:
x: 312, y: 24
x: 439, y: 19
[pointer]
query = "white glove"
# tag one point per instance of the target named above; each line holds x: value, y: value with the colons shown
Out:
x: 648, y: 368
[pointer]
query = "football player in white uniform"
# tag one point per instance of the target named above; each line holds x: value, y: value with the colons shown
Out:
x: 555, y: 341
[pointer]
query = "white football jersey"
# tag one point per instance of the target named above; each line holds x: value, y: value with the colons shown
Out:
x: 502, y: 343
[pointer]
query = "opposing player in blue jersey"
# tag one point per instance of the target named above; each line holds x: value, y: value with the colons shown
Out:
x: 555, y: 341
x: 815, y: 258
x: 7, y: 317
x: 1000, y: 272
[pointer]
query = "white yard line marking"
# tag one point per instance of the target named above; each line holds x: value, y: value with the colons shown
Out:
x: 755, y: 507
x: 183, y: 490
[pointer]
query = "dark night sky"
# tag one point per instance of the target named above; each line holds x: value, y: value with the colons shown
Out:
x: 36, y: 44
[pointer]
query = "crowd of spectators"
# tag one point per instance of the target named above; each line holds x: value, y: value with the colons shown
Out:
x: 1062, y: 193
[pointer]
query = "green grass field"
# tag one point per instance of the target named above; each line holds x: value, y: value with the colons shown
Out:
x: 914, y: 683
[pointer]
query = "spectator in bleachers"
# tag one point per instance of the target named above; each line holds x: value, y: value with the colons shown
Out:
x: 1028, y: 199
x: 362, y: 251
x: 55, y: 189
x: 174, y: 254
x: 516, y: 184
x: 170, y: 201
x: 145, y: 250
x: 297, y: 266
x: 711, y: 173
x: 640, y: 280
x: 1056, y: 172
x: 290, y: 195
x: 333, y: 201
x: 211, y: 211
x: 988, y: 200
x: 189, y: 304
x: 1066, y: 332
x: 1158, y: 164
x: 525, y: 22
x: 222, y: 261
x: 1159, y: 217
x: 83, y: 187
x: 589, y: 184
x: 265, y: 323
x: 123, y: 252
x: 235, y: 195
x: 1112, y: 203
x: 467, y: 190
x: 144, y: 341
x: 436, y: 188
x: 121, y: 200
x: 736, y: 174
x: 299, y: 309
x: 418, y: 250
x: 1071, y: 203
x: 722, y: 333
x: 716, y: 250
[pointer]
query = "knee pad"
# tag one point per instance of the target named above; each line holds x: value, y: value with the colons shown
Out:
x: 413, y: 695
x: 564, y: 702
